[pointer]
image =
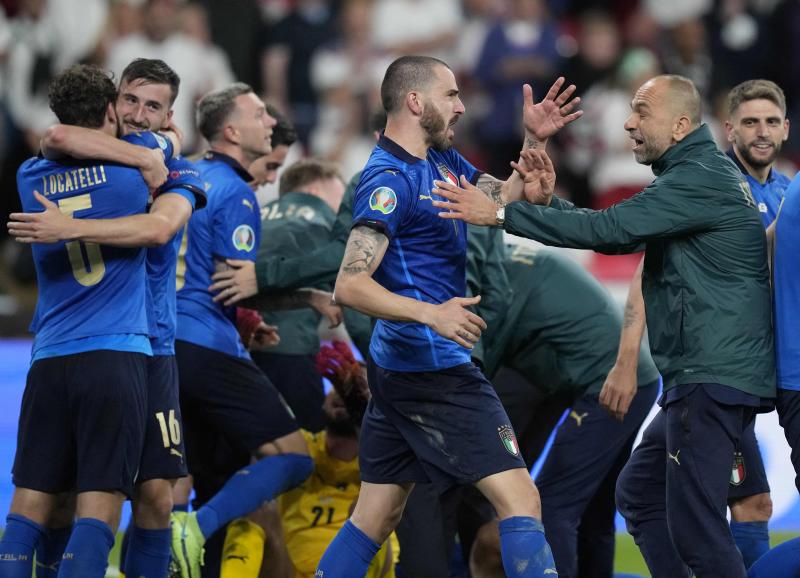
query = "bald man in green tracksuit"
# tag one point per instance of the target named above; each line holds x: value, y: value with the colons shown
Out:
x: 706, y: 293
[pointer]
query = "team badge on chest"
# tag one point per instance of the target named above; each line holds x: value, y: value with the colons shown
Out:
x: 447, y: 174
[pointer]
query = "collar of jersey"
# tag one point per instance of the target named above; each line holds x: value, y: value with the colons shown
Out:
x: 742, y: 168
x: 230, y: 161
x: 395, y: 149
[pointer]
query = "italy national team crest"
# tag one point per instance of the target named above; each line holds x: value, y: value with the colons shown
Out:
x: 383, y: 199
x: 447, y: 174
x: 244, y: 239
x: 506, y: 433
x: 738, y: 473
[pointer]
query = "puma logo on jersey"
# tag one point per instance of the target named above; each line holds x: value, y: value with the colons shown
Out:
x: 176, y: 453
x: 675, y: 457
x: 578, y: 418
x: 425, y: 197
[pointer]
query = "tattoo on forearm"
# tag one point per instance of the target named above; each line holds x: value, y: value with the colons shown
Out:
x: 631, y: 315
x: 492, y: 188
x: 362, y: 250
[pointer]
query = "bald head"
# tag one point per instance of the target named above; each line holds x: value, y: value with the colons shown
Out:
x: 680, y: 95
x: 664, y: 111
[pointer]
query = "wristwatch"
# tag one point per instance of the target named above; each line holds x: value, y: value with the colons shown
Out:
x: 500, y: 216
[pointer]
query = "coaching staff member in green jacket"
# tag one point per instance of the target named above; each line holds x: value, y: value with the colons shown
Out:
x: 706, y: 290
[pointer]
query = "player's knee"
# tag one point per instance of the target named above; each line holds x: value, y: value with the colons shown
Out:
x: 153, y: 504
x: 485, y: 558
x: 757, y: 508
x: 623, y: 495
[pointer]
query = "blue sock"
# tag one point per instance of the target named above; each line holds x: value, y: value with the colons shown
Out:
x: 250, y: 486
x: 348, y: 555
x: 50, y: 550
x: 752, y: 539
x: 780, y: 562
x: 525, y: 551
x: 17, y: 546
x: 148, y: 553
x: 180, y: 507
x: 86, y: 554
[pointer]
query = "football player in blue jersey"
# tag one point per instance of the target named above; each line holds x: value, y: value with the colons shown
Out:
x: 82, y: 419
x: 784, y: 560
x: 433, y: 416
x: 147, y: 91
x: 756, y: 128
x: 222, y: 390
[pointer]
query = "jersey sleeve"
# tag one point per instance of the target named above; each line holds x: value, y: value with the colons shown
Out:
x: 184, y: 179
x: 151, y: 140
x: 382, y: 201
x: 236, y: 224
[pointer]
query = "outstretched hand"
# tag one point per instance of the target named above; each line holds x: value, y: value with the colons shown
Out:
x: 48, y: 226
x: 467, y: 203
x: 545, y: 118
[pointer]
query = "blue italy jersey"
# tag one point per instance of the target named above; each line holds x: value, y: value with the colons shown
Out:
x: 786, y: 288
x: 90, y: 297
x: 228, y: 228
x: 768, y: 196
x: 183, y: 179
x: 426, y: 256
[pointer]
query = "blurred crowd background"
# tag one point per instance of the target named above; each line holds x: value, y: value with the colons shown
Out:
x: 321, y: 61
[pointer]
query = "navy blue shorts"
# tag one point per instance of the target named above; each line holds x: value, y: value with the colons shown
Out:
x: 225, y: 395
x: 164, y: 454
x: 297, y: 380
x: 81, y: 425
x: 446, y: 427
x: 748, y: 475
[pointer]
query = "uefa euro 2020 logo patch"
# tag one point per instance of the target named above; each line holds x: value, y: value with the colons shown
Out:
x: 383, y: 199
x: 244, y: 239
x: 506, y: 433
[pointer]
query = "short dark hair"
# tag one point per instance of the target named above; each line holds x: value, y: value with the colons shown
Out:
x: 755, y: 89
x: 81, y: 94
x: 283, y: 133
x: 306, y: 171
x: 153, y: 71
x: 215, y: 108
x: 404, y: 75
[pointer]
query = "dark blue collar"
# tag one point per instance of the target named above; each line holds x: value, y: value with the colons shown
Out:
x: 395, y: 149
x: 743, y: 168
x: 212, y: 155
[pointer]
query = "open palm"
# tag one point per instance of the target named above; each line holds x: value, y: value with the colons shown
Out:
x: 545, y: 118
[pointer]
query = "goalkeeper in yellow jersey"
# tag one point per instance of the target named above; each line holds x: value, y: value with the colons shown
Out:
x: 312, y: 513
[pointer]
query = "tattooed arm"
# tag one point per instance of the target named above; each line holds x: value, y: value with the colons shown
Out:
x: 356, y: 288
x: 620, y: 386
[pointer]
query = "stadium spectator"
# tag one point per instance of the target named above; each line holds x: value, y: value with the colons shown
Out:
x: 519, y: 48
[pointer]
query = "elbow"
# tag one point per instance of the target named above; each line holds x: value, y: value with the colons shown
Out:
x: 343, y: 291
x: 54, y: 137
x: 159, y: 236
